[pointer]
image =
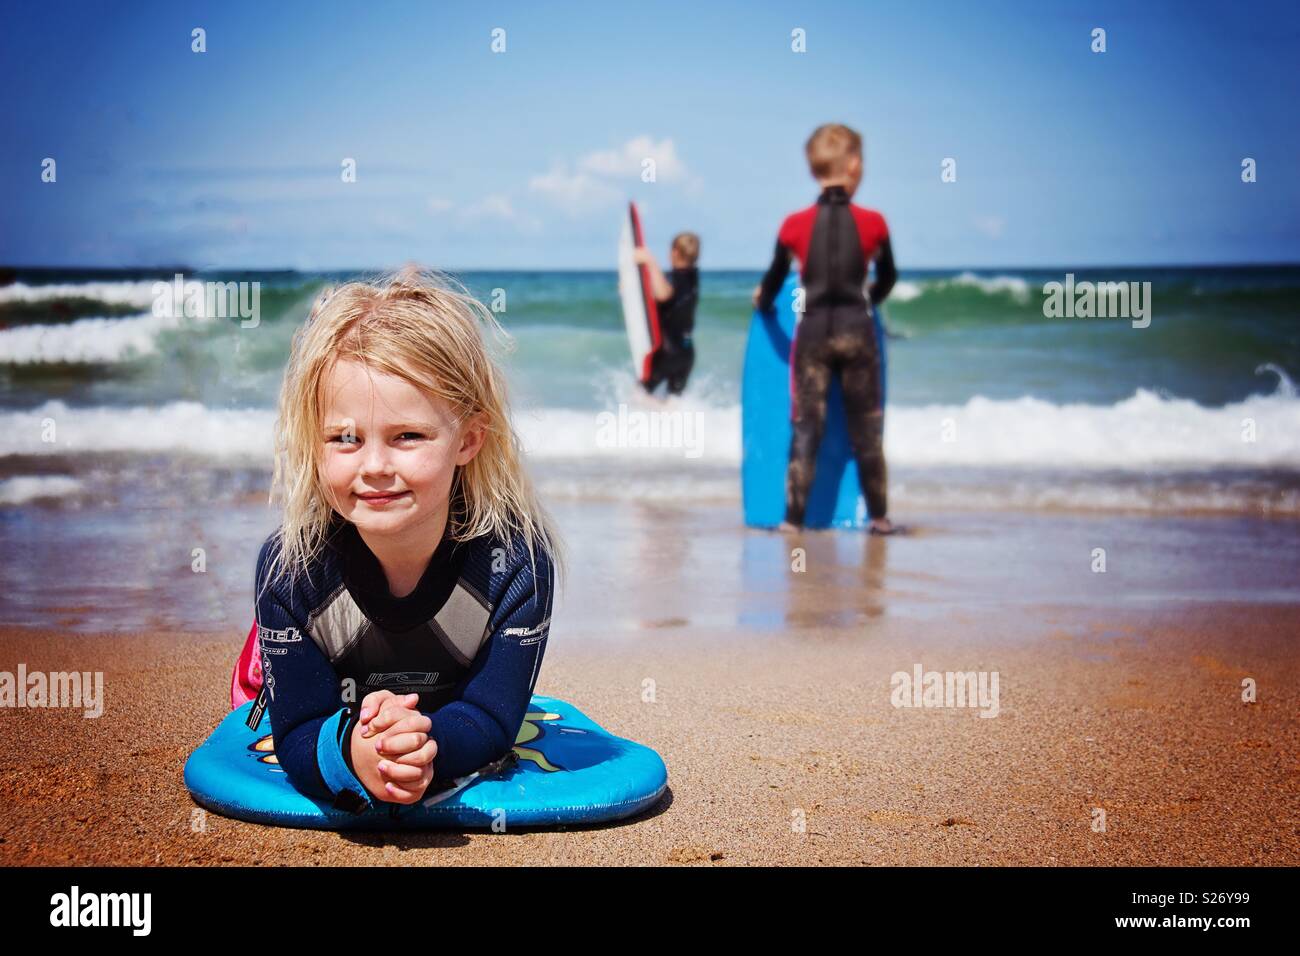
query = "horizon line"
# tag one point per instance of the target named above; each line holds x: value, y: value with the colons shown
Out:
x: 173, y: 267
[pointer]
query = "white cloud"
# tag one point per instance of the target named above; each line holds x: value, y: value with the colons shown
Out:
x: 573, y: 190
x: 991, y: 226
x: 594, y: 181
x: 495, y: 207
x: 492, y: 207
x: 603, y: 177
x: 629, y: 160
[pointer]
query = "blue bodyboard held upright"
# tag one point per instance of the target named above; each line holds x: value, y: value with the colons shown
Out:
x: 835, y: 500
x: 564, y: 769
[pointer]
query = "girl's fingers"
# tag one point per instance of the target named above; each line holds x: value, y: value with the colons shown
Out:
x: 370, y: 706
x: 397, y: 744
x: 408, y: 794
x: 398, y: 773
x: 371, y: 703
x: 411, y: 721
x: 420, y: 757
x: 398, y: 795
x: 392, y: 710
x: 379, y: 721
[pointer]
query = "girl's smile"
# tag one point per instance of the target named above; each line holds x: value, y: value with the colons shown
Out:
x: 382, y: 499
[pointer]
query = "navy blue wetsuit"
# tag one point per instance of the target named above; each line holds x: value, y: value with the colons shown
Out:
x: 469, y: 640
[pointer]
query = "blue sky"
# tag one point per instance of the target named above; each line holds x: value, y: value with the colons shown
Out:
x: 472, y: 159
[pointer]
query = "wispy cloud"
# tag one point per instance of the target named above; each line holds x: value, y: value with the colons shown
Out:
x: 601, y: 178
x: 323, y: 171
x: 633, y: 157
x: 495, y: 208
x: 573, y: 191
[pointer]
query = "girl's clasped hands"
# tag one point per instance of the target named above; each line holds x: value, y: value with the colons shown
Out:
x: 392, y: 737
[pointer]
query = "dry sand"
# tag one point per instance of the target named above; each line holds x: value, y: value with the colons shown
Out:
x: 1139, y: 714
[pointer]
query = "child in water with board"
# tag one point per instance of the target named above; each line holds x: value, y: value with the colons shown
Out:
x: 403, y: 605
x: 835, y: 241
x: 676, y: 296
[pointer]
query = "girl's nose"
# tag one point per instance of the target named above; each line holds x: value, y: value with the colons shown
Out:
x: 375, y: 459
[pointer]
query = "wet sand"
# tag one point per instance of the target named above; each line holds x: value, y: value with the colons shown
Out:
x: 772, y: 707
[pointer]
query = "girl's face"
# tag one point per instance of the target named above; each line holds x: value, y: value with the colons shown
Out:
x: 384, y: 436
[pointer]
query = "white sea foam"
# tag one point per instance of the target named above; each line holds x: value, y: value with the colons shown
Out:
x: 24, y: 489
x: 1143, y: 433
x: 1018, y: 287
x: 134, y: 294
x: 639, y: 432
x: 86, y: 341
x: 905, y: 291
x: 241, y: 435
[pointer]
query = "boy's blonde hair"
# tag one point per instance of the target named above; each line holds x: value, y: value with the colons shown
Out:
x: 688, y: 244
x: 424, y: 329
x: 829, y: 148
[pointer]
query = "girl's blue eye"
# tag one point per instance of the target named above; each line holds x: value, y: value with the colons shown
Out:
x: 353, y: 438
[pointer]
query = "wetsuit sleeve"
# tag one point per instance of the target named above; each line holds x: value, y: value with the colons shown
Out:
x: 312, y: 732
x: 481, y: 726
x: 886, y: 274
x: 775, y: 277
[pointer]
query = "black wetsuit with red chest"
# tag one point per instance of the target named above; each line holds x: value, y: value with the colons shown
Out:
x: 835, y: 242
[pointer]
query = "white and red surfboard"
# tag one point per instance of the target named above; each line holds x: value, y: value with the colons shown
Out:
x: 640, y: 311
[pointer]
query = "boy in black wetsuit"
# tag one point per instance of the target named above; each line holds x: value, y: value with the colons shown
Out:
x: 834, y: 241
x: 677, y: 296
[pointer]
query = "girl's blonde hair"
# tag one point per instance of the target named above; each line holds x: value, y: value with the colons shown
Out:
x: 422, y: 327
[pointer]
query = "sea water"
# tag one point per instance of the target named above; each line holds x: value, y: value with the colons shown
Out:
x: 131, y: 425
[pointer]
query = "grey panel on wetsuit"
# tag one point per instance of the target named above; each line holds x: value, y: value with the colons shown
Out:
x: 337, y: 624
x: 463, y: 622
x: 461, y: 625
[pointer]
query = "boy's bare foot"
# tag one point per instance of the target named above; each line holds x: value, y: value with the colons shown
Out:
x: 883, y: 526
x: 786, y: 526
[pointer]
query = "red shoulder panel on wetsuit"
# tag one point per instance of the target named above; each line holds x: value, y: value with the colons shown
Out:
x: 796, y: 232
x: 872, y: 230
